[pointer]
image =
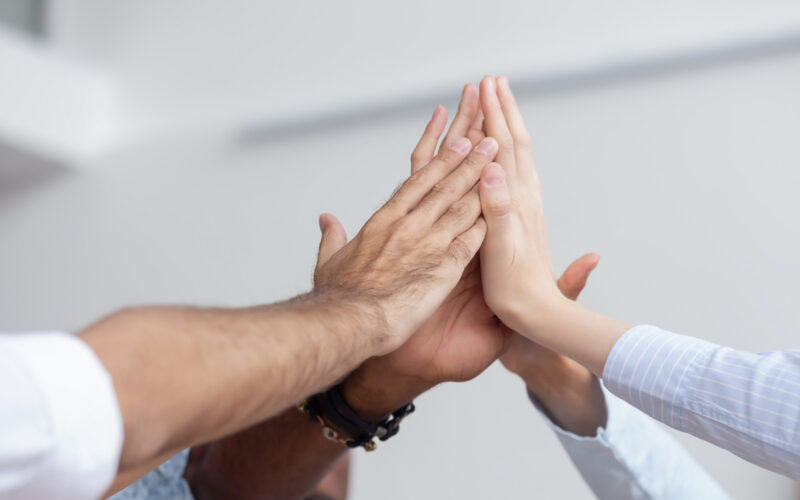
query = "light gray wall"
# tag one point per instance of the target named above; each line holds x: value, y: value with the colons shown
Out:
x: 685, y: 184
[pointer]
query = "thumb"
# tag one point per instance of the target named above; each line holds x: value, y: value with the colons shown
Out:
x: 495, y: 198
x: 333, y: 238
x: 573, y: 280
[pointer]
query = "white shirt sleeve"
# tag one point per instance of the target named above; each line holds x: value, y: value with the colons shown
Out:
x: 746, y: 403
x: 60, y: 425
x: 633, y: 458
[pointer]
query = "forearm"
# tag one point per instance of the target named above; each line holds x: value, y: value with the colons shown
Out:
x: 285, y: 457
x: 572, y: 330
x: 185, y: 376
x: 568, y: 393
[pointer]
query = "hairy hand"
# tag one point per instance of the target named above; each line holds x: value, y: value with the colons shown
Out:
x: 462, y: 337
x: 411, y: 253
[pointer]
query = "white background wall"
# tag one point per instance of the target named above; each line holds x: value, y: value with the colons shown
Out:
x: 683, y: 182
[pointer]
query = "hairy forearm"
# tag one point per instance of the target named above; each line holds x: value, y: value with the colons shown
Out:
x: 185, y: 376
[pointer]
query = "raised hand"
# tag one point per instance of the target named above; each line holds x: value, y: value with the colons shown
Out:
x: 413, y: 251
x: 518, y: 280
x: 462, y: 337
x: 515, y: 260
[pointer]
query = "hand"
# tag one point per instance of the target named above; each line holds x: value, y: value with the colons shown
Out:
x: 569, y: 393
x: 462, y: 337
x: 515, y: 260
x: 518, y: 280
x: 412, y: 252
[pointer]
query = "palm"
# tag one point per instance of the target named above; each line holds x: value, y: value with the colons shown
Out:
x: 459, y: 341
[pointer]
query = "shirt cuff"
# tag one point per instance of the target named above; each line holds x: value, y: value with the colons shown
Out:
x: 80, y: 410
x: 647, y: 368
x: 569, y: 439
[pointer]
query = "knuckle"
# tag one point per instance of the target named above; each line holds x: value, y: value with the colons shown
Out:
x: 404, y: 227
x: 418, y: 178
x: 443, y: 188
x: 373, y: 226
x: 499, y: 207
x: 476, y: 160
x: 460, y: 251
x: 460, y: 210
x: 506, y: 142
x: 450, y: 157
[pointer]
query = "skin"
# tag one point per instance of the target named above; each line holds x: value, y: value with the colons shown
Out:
x: 570, y: 394
x: 518, y: 281
x: 214, y: 372
x: 286, y: 457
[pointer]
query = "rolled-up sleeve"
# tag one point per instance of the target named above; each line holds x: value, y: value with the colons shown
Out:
x: 632, y: 458
x: 61, y: 429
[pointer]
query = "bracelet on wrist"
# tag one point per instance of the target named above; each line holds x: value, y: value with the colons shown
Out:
x: 342, y: 424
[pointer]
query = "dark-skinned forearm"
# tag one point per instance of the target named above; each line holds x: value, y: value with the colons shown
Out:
x: 571, y: 396
x: 285, y: 457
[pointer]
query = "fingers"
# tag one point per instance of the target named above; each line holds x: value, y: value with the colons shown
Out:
x: 573, y: 280
x: 475, y: 133
x: 516, y: 125
x: 467, y: 110
x: 495, y: 198
x: 443, y: 194
x: 426, y: 147
x: 494, y: 123
x: 467, y: 244
x: 460, y: 216
x: 333, y: 238
x: 416, y: 187
x: 496, y: 207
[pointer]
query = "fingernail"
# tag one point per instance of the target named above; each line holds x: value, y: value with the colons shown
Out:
x: 490, y: 82
x: 487, y: 146
x: 436, y: 111
x: 461, y: 145
x: 323, y: 221
x: 494, y: 175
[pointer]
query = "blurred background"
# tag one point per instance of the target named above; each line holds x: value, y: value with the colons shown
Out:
x: 180, y: 152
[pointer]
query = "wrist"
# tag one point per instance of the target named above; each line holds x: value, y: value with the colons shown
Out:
x: 358, y: 319
x: 534, y: 314
x: 374, y: 392
x: 569, y: 394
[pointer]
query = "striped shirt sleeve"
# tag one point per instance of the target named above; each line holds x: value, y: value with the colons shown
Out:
x: 746, y: 403
x: 633, y: 458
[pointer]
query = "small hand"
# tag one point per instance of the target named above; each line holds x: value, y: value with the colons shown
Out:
x: 518, y: 280
x: 517, y: 273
